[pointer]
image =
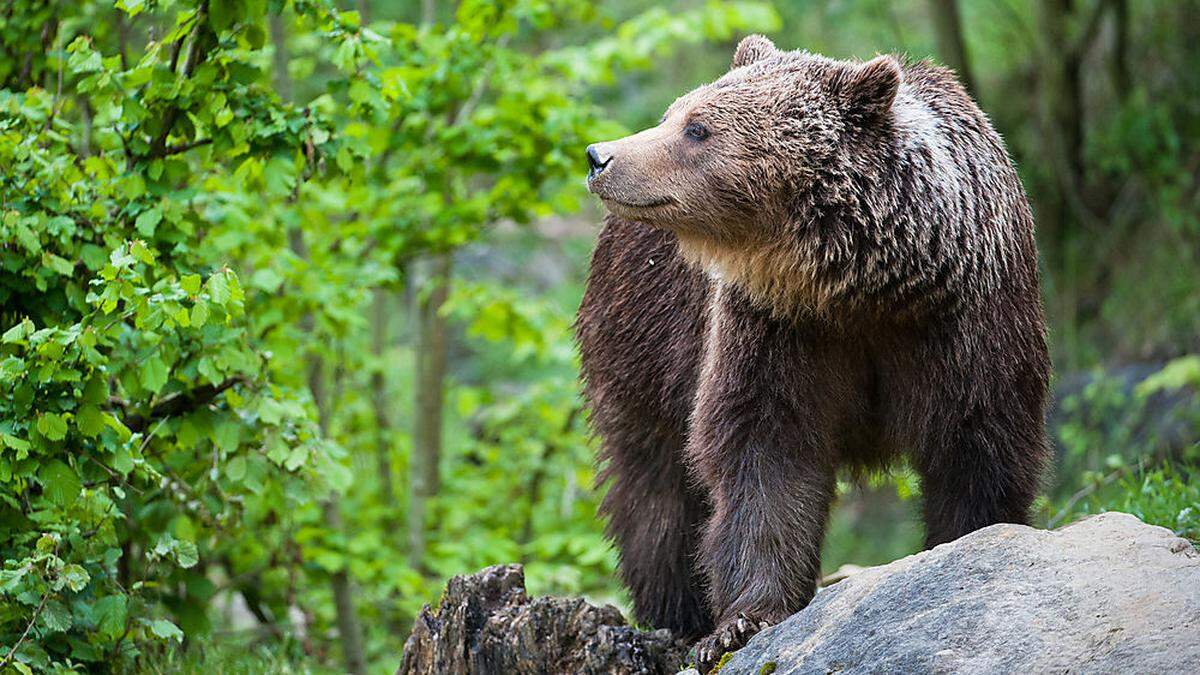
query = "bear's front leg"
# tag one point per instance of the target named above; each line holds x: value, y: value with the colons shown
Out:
x: 760, y: 444
x: 761, y: 549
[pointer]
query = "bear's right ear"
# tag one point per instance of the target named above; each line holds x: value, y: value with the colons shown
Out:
x: 752, y: 48
x: 871, y: 87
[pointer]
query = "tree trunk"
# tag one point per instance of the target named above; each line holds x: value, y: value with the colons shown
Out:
x: 430, y: 357
x: 947, y: 29
x: 349, y: 629
x: 279, y: 60
x: 379, y: 399
x: 1060, y: 99
x: 1120, y: 50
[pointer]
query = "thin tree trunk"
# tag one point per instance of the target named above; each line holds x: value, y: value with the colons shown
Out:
x: 428, y: 11
x: 947, y: 29
x: 430, y: 383
x: 383, y: 425
x: 1120, y: 49
x: 1060, y: 99
x: 279, y: 59
x: 349, y: 629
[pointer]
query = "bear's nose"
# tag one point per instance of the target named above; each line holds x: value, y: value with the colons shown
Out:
x: 597, y: 160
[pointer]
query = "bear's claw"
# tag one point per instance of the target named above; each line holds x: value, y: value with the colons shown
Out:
x: 730, y: 636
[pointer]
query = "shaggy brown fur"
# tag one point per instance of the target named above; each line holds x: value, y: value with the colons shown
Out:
x: 808, y: 265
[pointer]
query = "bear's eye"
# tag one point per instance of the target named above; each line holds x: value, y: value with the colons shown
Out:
x: 696, y: 131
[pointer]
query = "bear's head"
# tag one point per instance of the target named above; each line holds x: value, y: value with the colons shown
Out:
x: 732, y: 165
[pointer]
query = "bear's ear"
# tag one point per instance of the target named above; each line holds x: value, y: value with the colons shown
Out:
x: 871, y: 87
x: 752, y: 48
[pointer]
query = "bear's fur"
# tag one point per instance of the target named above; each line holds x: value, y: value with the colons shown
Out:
x: 808, y: 265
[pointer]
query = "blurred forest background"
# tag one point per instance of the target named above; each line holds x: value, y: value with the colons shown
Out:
x: 286, y: 291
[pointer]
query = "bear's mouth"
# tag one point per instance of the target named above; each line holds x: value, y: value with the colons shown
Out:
x: 648, y: 204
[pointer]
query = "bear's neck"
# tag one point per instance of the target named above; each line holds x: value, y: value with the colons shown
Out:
x: 780, y: 277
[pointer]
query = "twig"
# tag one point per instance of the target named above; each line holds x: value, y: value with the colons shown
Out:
x: 180, y: 403
x: 534, y: 487
x: 169, y: 150
x: 54, y: 109
x: 1082, y: 494
x: 32, y: 620
x: 194, y: 56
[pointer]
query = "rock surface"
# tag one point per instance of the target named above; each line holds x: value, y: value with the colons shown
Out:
x: 486, y: 624
x: 1108, y: 594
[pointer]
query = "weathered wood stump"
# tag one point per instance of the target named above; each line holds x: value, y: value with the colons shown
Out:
x: 485, y: 623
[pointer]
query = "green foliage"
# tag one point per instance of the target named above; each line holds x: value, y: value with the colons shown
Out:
x: 199, y: 201
x: 1112, y: 438
x: 143, y: 429
x: 1168, y: 496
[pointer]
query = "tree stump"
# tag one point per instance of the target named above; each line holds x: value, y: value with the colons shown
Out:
x: 485, y: 623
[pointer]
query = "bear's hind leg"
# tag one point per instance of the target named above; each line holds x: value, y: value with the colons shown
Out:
x: 986, y: 472
x: 655, y: 516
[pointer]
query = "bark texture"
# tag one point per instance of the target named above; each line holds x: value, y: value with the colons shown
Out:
x: 485, y: 623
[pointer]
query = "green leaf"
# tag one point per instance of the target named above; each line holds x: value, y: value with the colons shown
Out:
x: 1177, y: 374
x: 190, y: 283
x: 186, y: 554
x: 138, y: 250
x: 75, y: 577
x: 122, y: 463
x: 266, y: 279
x: 225, y: 14
x: 131, y: 7
x: 18, y: 444
x: 18, y: 332
x: 52, y: 426
x: 226, y: 435
x: 56, y: 617
x: 60, y: 483
x: 89, y: 420
x: 296, y: 458
x: 165, y: 629
x: 270, y: 411
x: 218, y: 288
x: 96, y: 390
x: 277, y: 449
x: 11, y: 369
x: 148, y: 220
x: 236, y: 469
x: 199, y: 313
x: 118, y: 426
x: 109, y: 612
x: 58, y: 264
x: 153, y: 374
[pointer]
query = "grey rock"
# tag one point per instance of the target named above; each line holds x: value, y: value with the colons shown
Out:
x: 1108, y: 594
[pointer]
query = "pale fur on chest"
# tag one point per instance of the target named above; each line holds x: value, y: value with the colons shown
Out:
x: 777, y: 277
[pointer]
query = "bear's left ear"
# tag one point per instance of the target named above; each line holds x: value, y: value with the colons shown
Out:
x: 871, y: 87
x: 752, y: 48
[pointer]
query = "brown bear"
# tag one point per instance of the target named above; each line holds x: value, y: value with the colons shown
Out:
x: 808, y: 265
